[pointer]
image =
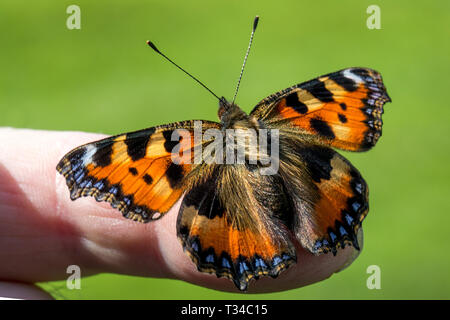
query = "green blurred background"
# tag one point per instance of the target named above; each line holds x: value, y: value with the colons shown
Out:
x: 103, y: 78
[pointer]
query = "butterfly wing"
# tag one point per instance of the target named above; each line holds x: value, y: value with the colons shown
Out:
x: 328, y: 194
x: 235, y: 230
x: 134, y: 172
x: 341, y: 109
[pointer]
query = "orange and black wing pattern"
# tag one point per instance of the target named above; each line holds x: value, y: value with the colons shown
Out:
x: 330, y: 212
x: 341, y: 109
x: 219, y: 246
x: 134, y: 172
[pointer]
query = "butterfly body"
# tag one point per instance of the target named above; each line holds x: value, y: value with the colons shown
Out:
x: 237, y: 218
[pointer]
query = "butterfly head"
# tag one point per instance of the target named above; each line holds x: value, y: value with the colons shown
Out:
x: 229, y: 113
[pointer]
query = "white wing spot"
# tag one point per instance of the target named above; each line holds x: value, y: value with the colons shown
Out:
x: 90, y: 151
x: 350, y: 75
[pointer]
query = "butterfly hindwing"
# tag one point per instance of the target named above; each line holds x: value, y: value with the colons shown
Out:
x: 341, y: 109
x: 134, y: 172
x: 220, y: 240
x: 331, y: 200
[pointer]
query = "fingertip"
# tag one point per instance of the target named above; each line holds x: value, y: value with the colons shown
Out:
x: 308, y: 270
x: 22, y: 291
x: 354, y: 253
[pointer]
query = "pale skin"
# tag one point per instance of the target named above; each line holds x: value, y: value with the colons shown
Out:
x: 42, y: 231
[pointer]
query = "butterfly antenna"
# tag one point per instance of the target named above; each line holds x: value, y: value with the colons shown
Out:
x: 255, y: 24
x: 152, y: 45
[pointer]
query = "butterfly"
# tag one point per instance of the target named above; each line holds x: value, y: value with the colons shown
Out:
x: 234, y: 220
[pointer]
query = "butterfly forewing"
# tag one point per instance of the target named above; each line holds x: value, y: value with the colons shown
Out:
x: 342, y: 109
x: 134, y: 172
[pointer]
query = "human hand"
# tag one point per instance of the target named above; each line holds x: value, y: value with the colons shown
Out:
x: 42, y: 231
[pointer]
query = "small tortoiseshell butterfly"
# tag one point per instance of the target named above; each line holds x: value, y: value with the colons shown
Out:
x: 235, y: 221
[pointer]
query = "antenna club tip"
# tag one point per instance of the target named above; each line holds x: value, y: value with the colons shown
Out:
x: 255, y: 22
x: 151, y: 45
